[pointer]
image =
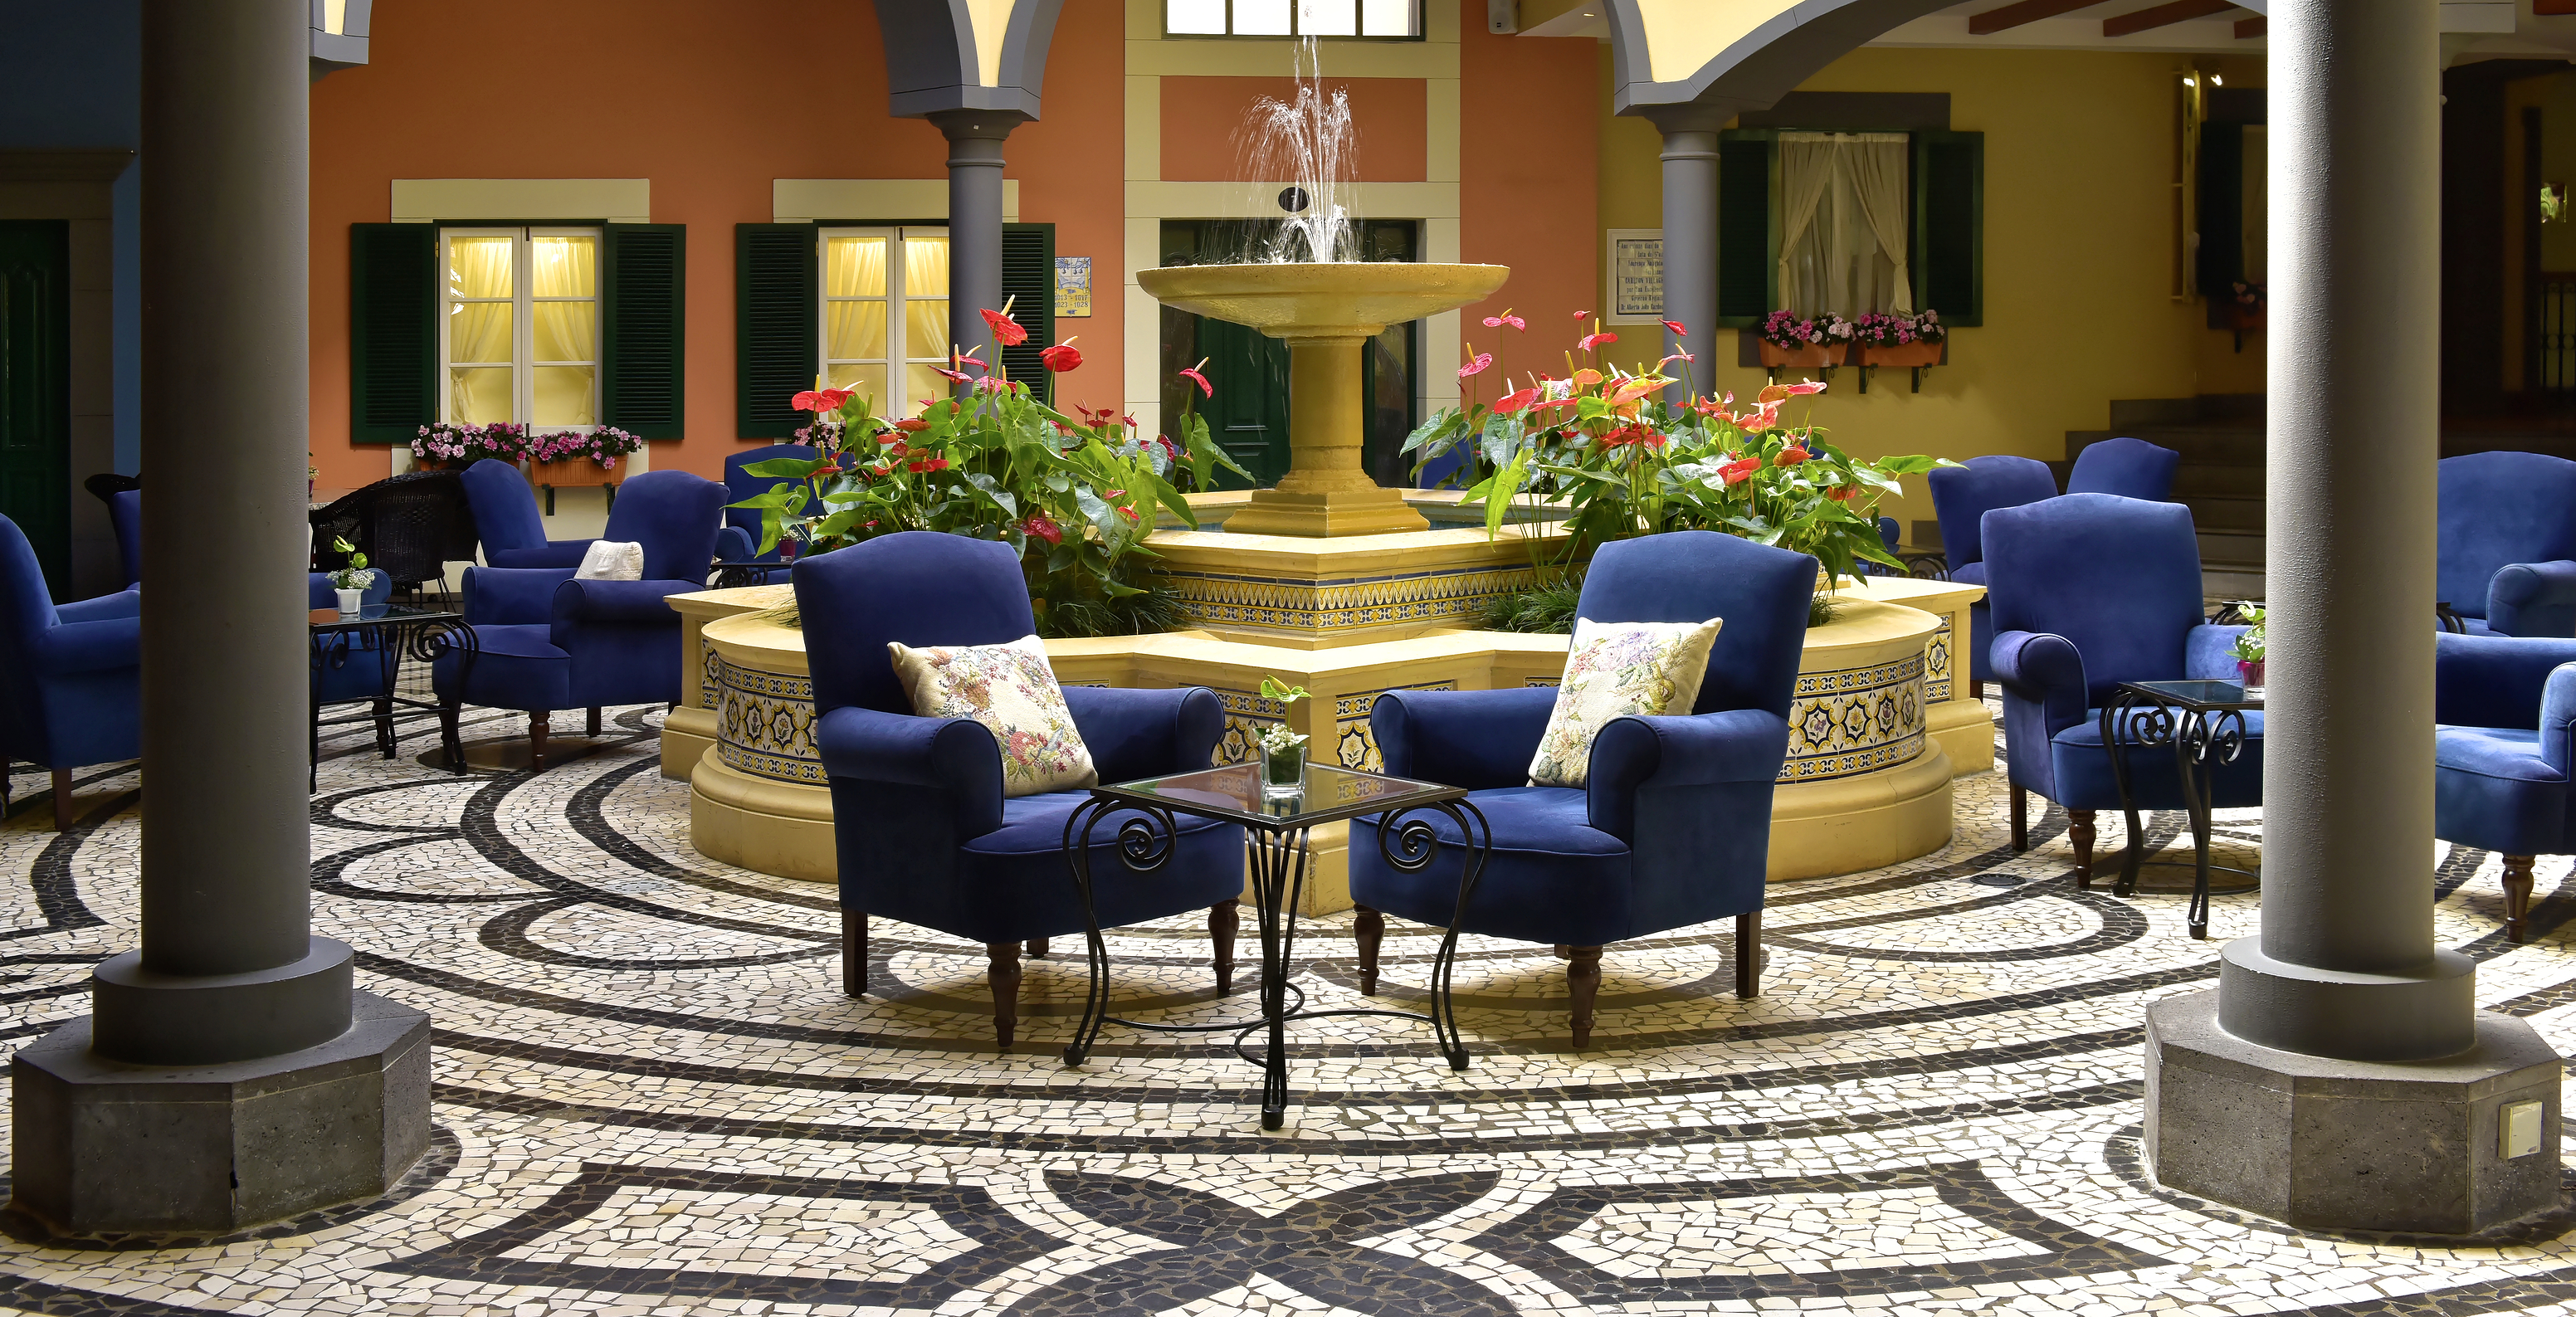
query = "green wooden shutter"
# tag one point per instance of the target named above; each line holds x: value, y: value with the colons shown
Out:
x: 1950, y: 225
x: 1748, y: 227
x: 393, y: 331
x: 1028, y: 277
x: 644, y: 324
x: 776, y: 306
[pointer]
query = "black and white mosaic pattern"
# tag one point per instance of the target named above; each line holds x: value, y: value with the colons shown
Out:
x: 653, y: 1099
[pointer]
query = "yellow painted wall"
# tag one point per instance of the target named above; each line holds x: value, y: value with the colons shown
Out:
x: 2079, y: 305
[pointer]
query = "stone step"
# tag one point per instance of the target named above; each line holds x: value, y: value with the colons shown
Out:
x: 2218, y: 480
x: 2230, y: 582
x: 2232, y: 548
x: 2224, y: 512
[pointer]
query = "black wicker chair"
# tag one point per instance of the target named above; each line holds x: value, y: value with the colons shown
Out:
x: 410, y: 526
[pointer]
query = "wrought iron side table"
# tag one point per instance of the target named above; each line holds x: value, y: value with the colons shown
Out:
x: 1275, y: 836
x: 2204, y: 722
x: 384, y: 634
x: 735, y: 573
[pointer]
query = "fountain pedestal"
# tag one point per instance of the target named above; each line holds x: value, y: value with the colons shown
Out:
x: 1327, y: 491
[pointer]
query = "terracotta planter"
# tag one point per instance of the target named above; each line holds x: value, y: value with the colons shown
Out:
x: 1901, y: 355
x: 1814, y: 356
x: 572, y: 473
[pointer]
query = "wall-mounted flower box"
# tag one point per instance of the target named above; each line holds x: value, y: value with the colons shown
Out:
x: 1810, y: 356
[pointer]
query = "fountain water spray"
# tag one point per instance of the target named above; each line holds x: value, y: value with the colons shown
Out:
x: 1307, y: 141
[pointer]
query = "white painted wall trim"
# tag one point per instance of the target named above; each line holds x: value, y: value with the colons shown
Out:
x: 806, y: 200
x: 431, y: 200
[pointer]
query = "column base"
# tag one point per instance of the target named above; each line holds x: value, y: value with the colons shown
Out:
x: 2318, y: 1143
x: 103, y: 1147
x: 1368, y: 511
x: 2364, y: 1017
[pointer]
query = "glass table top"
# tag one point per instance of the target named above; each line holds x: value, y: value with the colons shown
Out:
x: 2195, y: 694
x: 329, y: 619
x: 1234, y: 793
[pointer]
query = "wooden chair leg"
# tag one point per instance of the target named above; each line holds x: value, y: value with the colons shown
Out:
x: 2079, y: 830
x: 2517, y: 894
x: 2020, y: 818
x: 63, y: 800
x: 1037, y: 948
x: 594, y: 720
x: 1582, y: 983
x: 1003, y: 972
x: 1369, y: 929
x: 538, y: 723
x: 1976, y: 689
x: 854, y: 953
x: 1223, y: 919
x: 1748, y: 955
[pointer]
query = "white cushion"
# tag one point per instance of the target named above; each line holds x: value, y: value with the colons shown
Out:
x: 1614, y: 670
x: 1012, y: 691
x: 611, y: 560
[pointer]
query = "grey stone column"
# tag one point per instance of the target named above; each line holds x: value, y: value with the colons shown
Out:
x: 228, y: 1073
x: 975, y: 140
x: 1690, y: 236
x: 2341, y: 1075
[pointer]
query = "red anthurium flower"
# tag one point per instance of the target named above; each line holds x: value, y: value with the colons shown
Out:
x: 1191, y: 373
x: 1587, y: 377
x: 1791, y: 456
x: 819, y: 401
x: 1477, y: 366
x: 1676, y: 327
x: 1506, y: 318
x: 913, y: 424
x: 1128, y: 513
x: 1062, y: 357
x: 1678, y: 356
x: 1006, y: 331
x: 928, y: 464
x: 827, y: 469
x: 1583, y: 315
x: 1757, y: 422
x: 1772, y: 393
x: 1804, y: 387
x: 1552, y: 402
x: 1513, y: 404
x: 1843, y: 493
x: 1636, y: 387
x: 1737, y: 472
x: 959, y: 376
x: 1043, y: 527
x: 1591, y: 341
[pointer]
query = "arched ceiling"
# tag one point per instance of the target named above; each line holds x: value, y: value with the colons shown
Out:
x: 1707, y: 60
x: 966, y: 54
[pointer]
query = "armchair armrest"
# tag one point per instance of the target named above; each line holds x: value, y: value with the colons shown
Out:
x: 2045, y: 670
x: 127, y: 602
x: 734, y: 544
x: 2206, y: 653
x: 2494, y: 681
x: 1145, y: 733
x: 73, y: 648
x: 618, y: 601
x: 1638, y: 752
x: 511, y: 596
x: 2557, y: 711
x: 1473, y: 739
x: 2533, y: 599
x: 956, y: 755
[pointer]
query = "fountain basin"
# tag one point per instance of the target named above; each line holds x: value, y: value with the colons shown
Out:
x: 1326, y: 313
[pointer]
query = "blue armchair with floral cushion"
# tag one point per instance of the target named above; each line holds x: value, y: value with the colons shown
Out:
x: 926, y: 830
x: 1961, y: 497
x: 1673, y: 824
x: 2504, y: 712
x: 2506, y: 534
x: 545, y: 641
x: 2089, y: 591
x: 73, y: 673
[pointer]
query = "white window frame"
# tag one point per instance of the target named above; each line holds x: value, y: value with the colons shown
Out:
x: 1296, y: 24
x: 523, y: 318
x: 900, y: 350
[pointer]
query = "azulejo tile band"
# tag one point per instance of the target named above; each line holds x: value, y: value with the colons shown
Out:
x: 765, y: 724
x: 1855, y: 720
x: 1288, y: 606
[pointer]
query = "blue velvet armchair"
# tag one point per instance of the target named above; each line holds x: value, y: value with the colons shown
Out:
x: 740, y: 539
x: 2503, y: 707
x: 348, y: 666
x: 544, y: 641
x: 1961, y: 496
x: 125, y: 517
x: 2506, y: 533
x: 507, y: 521
x: 2130, y: 468
x: 1673, y: 826
x: 74, y: 674
x: 925, y: 834
x: 2091, y: 590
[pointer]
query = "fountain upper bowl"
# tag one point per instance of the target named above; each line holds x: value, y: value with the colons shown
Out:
x: 1341, y: 299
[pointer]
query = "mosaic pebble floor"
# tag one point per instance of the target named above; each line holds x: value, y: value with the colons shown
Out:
x: 652, y: 1098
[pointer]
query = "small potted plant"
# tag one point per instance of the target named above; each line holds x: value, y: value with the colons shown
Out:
x: 2248, y: 650
x: 350, y: 583
x: 1811, y: 344
x: 1283, y: 751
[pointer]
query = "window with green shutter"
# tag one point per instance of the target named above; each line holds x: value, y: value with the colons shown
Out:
x: 1950, y: 225
x: 644, y: 309
x: 393, y: 331
x: 1748, y: 226
x: 1028, y: 280
x: 775, y: 326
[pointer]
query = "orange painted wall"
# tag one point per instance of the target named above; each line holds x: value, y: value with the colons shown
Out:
x: 1204, y: 119
x: 1526, y: 187
x: 711, y: 102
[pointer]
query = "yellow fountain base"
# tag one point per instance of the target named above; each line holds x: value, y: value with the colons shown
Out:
x: 1325, y: 513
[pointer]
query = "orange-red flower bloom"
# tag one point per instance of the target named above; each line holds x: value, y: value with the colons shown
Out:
x: 1804, y: 387
x: 1737, y: 472
x: 819, y: 401
x: 1006, y: 331
x: 1591, y: 341
x: 1513, y: 404
x: 1790, y: 456
x: 1506, y: 318
x: 1477, y: 366
x: 1043, y: 527
x: 914, y: 424
x: 1062, y: 357
x: 1676, y: 327
x: 1191, y: 373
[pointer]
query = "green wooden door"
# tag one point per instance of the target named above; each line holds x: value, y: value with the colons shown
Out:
x: 35, y: 389
x: 1248, y: 416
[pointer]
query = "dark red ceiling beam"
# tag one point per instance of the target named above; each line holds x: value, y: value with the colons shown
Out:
x: 2249, y: 28
x: 2164, y: 15
x: 2021, y: 11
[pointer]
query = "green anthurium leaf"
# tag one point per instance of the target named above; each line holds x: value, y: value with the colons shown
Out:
x: 786, y: 468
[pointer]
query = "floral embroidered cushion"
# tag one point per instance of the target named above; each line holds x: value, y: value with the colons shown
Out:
x: 1616, y: 669
x: 1011, y: 690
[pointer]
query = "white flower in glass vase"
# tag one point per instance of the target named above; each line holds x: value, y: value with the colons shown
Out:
x: 1283, y: 751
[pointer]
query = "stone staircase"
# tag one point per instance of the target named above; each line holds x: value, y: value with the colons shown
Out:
x: 2220, y: 438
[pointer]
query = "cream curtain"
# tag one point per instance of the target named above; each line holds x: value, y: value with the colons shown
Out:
x: 1843, y: 218
x: 1806, y: 175
x: 479, y: 331
x: 1876, y: 166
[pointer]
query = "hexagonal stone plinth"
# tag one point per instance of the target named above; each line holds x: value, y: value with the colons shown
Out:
x: 2355, y: 1145
x: 102, y: 1147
